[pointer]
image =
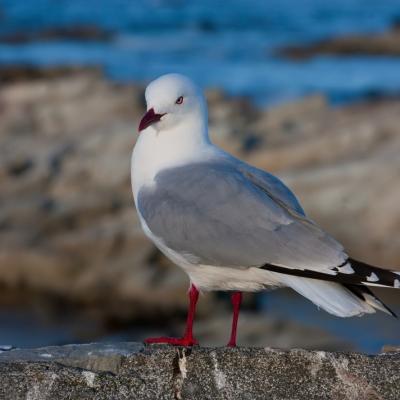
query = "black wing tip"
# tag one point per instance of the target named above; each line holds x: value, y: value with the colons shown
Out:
x: 357, y: 287
x: 385, y: 277
x: 360, y: 273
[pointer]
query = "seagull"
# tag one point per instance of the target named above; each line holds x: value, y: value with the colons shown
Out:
x: 230, y: 226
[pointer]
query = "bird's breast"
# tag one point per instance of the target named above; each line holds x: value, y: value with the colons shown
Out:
x: 157, y: 151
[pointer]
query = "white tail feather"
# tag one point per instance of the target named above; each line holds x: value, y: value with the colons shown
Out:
x: 375, y: 303
x: 330, y: 296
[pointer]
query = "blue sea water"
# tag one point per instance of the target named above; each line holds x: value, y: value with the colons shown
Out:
x: 368, y: 333
x: 228, y: 44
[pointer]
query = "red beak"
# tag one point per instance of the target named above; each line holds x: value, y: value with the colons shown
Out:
x: 149, y: 118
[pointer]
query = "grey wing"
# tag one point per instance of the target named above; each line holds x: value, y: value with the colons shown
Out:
x: 214, y: 214
x: 273, y: 187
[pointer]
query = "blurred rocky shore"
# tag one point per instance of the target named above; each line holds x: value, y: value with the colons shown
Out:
x: 68, y: 228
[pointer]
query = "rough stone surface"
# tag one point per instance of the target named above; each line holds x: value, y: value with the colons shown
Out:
x: 133, y: 371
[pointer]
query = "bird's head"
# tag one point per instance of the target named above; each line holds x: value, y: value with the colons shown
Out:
x: 173, y: 100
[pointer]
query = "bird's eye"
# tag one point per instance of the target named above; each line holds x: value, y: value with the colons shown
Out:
x: 179, y: 100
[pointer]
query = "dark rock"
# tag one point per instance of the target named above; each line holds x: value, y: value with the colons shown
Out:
x: 250, y: 143
x: 380, y: 44
x: 20, y: 167
x: 133, y: 371
x: 22, y: 73
x: 79, y: 32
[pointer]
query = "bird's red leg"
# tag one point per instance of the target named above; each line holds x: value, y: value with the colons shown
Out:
x: 236, y: 299
x: 187, y: 339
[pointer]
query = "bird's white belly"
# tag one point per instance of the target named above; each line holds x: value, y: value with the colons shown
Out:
x: 208, y: 277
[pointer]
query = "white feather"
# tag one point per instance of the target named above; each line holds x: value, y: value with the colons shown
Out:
x: 346, y: 269
x: 330, y: 296
x: 373, y: 277
x: 180, y: 137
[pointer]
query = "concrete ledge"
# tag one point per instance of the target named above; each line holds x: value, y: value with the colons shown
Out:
x: 133, y: 371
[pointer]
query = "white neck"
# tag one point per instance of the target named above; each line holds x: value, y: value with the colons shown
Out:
x: 157, y: 150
